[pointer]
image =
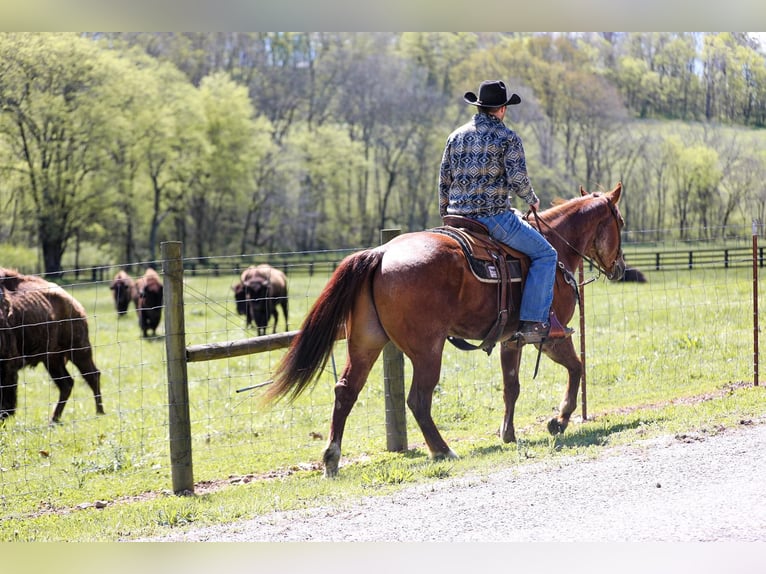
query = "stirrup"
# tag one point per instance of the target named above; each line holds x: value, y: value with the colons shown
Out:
x: 532, y: 332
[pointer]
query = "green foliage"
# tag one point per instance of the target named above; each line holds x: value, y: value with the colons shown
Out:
x: 438, y: 469
x: 264, y: 141
x: 386, y: 473
x: 18, y: 257
x: 173, y: 515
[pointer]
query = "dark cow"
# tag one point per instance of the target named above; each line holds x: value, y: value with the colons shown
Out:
x: 260, y: 290
x: 41, y: 323
x: 149, y: 304
x: 633, y: 274
x: 239, y: 300
x: 124, y: 291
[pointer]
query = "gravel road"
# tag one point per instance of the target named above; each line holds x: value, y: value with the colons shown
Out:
x: 696, y: 487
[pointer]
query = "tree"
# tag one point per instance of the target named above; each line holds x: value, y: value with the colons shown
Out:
x: 128, y: 130
x: 172, y: 144
x: 325, y: 164
x: 695, y: 176
x: 600, y: 119
x: 55, y: 111
x: 222, y: 178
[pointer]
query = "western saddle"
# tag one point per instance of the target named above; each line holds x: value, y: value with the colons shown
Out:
x: 491, y: 262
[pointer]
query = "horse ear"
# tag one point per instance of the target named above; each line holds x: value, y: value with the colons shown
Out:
x: 582, y: 191
x: 616, y: 192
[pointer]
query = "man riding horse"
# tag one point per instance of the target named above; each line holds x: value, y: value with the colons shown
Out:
x: 483, y: 162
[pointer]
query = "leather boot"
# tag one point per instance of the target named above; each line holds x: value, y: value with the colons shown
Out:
x: 532, y: 332
x: 557, y: 330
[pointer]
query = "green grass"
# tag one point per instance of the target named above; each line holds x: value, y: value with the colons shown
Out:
x: 650, y: 347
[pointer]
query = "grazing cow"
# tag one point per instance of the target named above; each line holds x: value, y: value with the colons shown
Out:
x: 633, y: 274
x: 41, y: 323
x: 149, y: 304
x: 260, y: 290
x: 124, y: 291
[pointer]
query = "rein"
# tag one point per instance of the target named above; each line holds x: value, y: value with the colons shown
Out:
x: 597, y: 264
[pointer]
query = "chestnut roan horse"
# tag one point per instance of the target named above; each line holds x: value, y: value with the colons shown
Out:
x: 416, y: 291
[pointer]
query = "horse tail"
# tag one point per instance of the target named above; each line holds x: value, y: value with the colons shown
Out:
x: 312, y: 346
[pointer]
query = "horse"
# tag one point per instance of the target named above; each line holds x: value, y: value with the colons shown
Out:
x: 417, y: 291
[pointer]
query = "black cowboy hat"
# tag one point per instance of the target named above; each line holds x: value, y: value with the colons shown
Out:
x: 492, y: 94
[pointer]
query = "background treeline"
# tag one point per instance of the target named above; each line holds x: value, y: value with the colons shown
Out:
x: 240, y: 143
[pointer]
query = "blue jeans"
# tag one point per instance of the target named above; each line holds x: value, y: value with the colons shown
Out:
x: 512, y: 230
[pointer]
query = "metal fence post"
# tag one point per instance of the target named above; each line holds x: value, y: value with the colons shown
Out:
x: 393, y: 382
x: 756, y: 324
x: 584, y: 378
x: 179, y: 425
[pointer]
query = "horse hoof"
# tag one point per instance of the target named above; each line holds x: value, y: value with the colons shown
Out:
x: 555, y: 426
x: 331, y: 459
x: 330, y: 472
x: 509, y: 436
x: 450, y: 454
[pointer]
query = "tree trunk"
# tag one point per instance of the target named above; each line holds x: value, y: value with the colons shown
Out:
x: 53, y: 252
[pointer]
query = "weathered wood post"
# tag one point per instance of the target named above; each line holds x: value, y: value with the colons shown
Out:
x: 393, y: 382
x: 179, y: 424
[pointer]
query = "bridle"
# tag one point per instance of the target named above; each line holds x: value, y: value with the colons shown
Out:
x: 599, y: 265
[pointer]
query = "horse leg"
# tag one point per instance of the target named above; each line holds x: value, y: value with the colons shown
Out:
x: 83, y: 360
x: 425, y: 377
x: 365, y: 339
x: 562, y: 351
x: 510, y: 358
x: 347, y: 391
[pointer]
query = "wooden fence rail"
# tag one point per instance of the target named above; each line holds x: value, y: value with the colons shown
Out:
x: 694, y: 258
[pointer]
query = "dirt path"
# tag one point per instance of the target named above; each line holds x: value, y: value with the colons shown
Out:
x: 685, y: 488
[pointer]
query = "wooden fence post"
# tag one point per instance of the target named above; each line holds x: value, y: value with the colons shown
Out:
x: 393, y: 382
x: 179, y: 425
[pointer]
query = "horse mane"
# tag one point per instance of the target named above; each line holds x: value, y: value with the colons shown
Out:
x: 561, y: 206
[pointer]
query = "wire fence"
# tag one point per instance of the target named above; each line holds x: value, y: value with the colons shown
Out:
x: 675, y: 329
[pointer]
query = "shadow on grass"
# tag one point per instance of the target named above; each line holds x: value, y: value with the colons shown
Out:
x: 589, y: 433
x: 597, y: 432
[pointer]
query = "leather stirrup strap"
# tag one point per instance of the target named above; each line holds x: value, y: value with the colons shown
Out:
x: 503, y: 311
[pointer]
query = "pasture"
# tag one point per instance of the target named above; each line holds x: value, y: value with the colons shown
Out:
x: 665, y: 356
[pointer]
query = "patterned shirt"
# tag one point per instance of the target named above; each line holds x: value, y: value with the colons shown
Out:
x: 483, y: 162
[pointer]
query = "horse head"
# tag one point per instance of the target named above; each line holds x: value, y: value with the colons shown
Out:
x: 605, y: 249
